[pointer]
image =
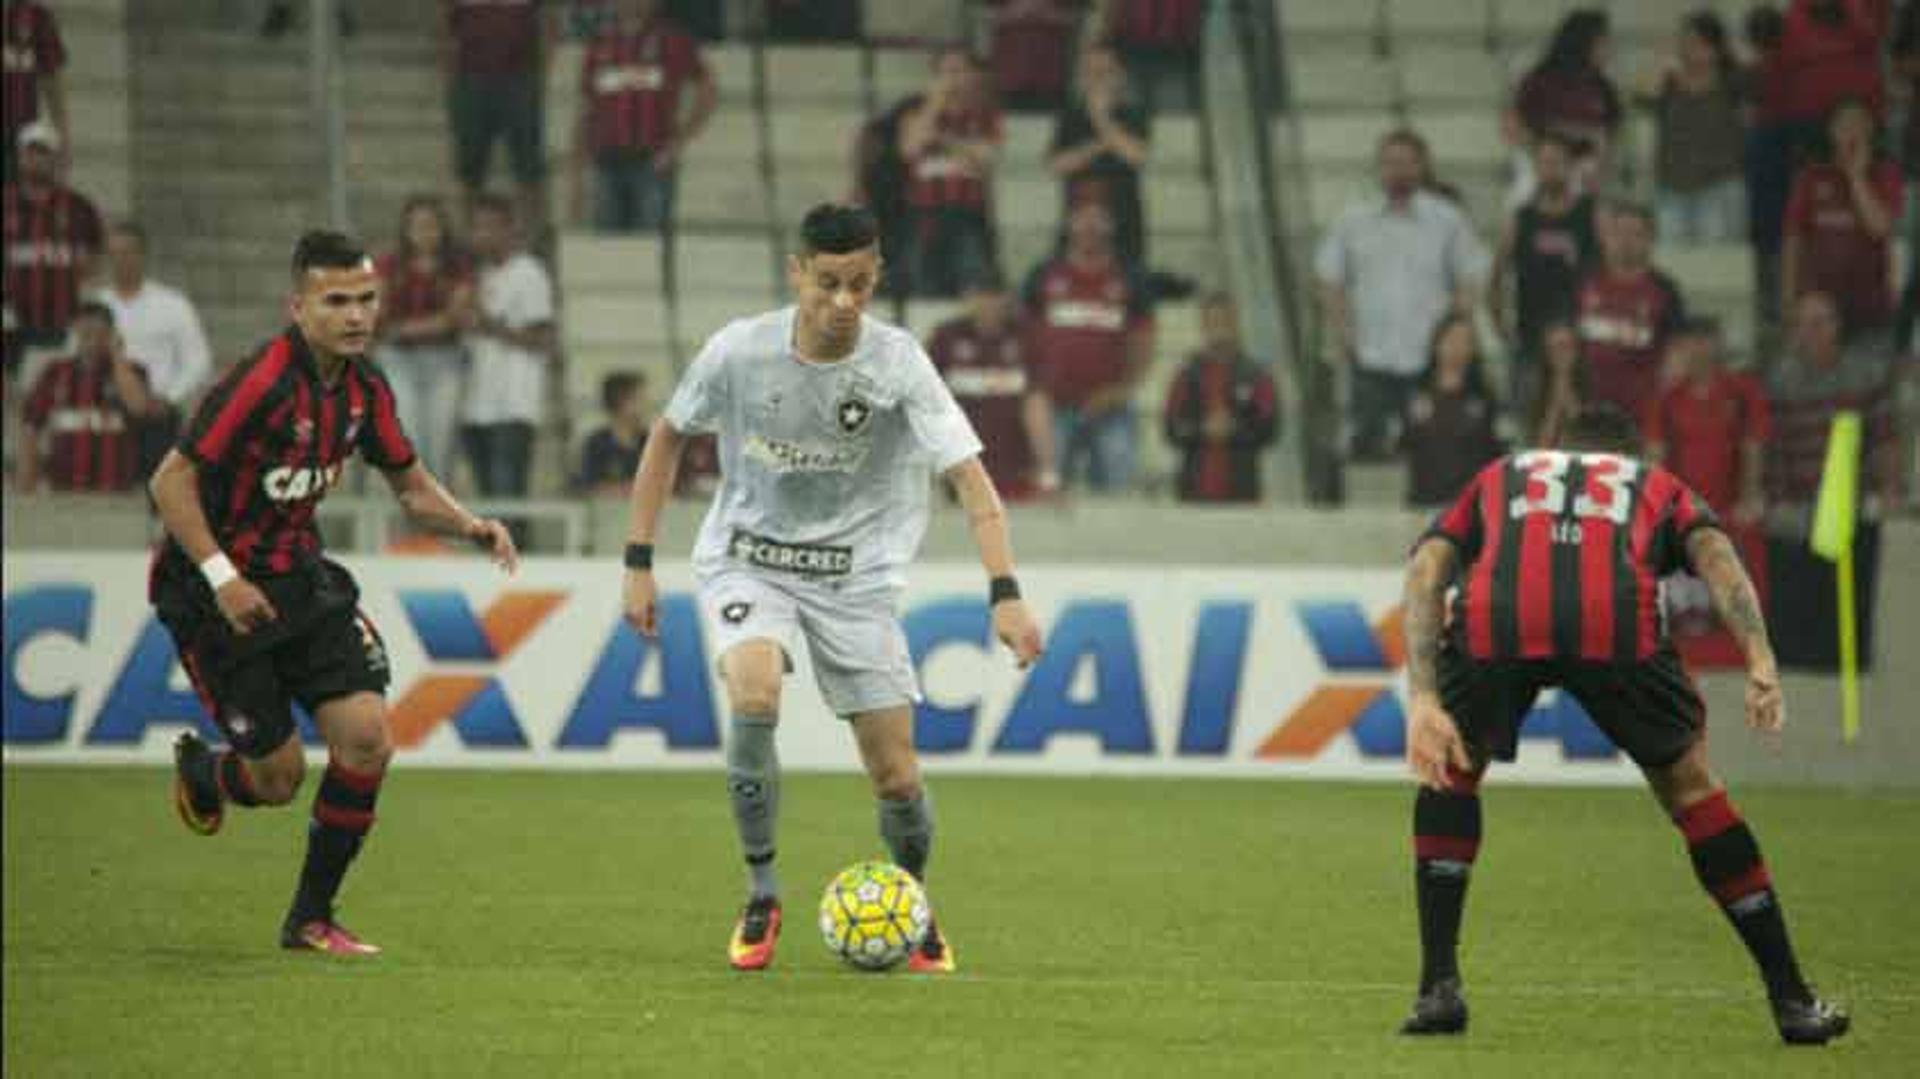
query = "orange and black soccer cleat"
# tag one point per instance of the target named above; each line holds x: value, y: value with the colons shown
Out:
x: 323, y: 935
x: 755, y: 935
x: 934, y: 955
x: 195, y: 796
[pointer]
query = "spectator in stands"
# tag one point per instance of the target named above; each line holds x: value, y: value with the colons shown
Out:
x: 1906, y: 64
x: 1548, y: 244
x: 429, y: 294
x: 81, y: 413
x: 1626, y: 310
x: 1710, y: 426
x: 53, y: 241
x: 880, y: 184
x: 1819, y: 377
x: 495, y: 55
x: 1450, y: 418
x: 950, y: 141
x: 611, y: 453
x: 1032, y: 52
x: 1159, y: 42
x: 1829, y: 54
x: 1698, y: 101
x: 1769, y: 158
x: 510, y: 335
x: 984, y: 357
x: 1100, y: 144
x: 1388, y: 270
x: 1839, y: 225
x: 163, y: 335
x: 1563, y: 389
x: 35, y: 88
x: 1091, y: 319
x: 1222, y: 412
x: 1570, y: 94
x: 631, y: 77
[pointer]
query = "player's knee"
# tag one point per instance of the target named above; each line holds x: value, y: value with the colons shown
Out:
x: 896, y: 781
x: 755, y: 696
x: 367, y: 747
x: 277, y: 779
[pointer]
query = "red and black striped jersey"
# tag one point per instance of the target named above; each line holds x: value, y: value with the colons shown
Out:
x: 1562, y: 554
x: 630, y: 83
x: 91, y: 444
x: 48, y: 235
x: 270, y: 440
x: 940, y: 177
x: 34, y: 51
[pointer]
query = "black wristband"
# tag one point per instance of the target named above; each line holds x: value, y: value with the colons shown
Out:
x: 1002, y: 588
x: 639, y: 556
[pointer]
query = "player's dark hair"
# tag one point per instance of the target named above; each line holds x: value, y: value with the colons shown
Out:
x: 1571, y: 50
x: 94, y: 309
x: 837, y: 229
x: 1477, y: 385
x: 1764, y: 26
x: 325, y: 249
x: 1602, y: 428
x: 1409, y: 138
x: 434, y: 205
x: 617, y: 387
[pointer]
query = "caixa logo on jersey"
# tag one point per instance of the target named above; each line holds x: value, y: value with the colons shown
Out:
x: 287, y: 484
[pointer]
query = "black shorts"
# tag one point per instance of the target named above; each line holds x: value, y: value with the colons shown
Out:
x: 321, y: 648
x: 1649, y: 709
x: 497, y: 108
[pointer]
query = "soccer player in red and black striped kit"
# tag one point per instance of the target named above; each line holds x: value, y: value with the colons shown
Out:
x: 1555, y: 559
x: 259, y: 616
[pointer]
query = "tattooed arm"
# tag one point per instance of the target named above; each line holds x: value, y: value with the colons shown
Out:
x: 1434, y: 746
x: 1716, y: 562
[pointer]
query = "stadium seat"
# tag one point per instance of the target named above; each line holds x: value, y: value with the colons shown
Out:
x: 1197, y: 255
x: 1021, y: 249
x: 1176, y: 329
x: 700, y: 317
x: 1703, y: 270
x: 608, y: 320
x: 721, y: 194
x: 1176, y: 145
x: 1413, y: 24
x: 1469, y: 137
x: 1303, y: 19
x: 1646, y: 18
x: 588, y: 365
x: 1452, y: 75
x: 595, y: 264
x: 1530, y: 20
x: 1178, y: 204
x: 916, y: 20
x: 1341, y: 78
x: 813, y: 134
x: 925, y: 316
x: 899, y: 73
x: 731, y: 139
x: 1026, y: 202
x: 815, y: 73
x: 1331, y: 189
x: 1028, y: 139
x: 732, y: 67
x: 799, y: 189
x: 727, y: 265
x: 1345, y: 137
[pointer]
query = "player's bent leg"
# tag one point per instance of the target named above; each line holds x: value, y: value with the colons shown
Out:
x: 1726, y: 860
x: 1446, y: 840
x: 359, y: 747
x: 905, y: 808
x: 753, y: 670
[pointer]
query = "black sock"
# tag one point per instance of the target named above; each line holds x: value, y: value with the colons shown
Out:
x: 1446, y: 838
x: 1727, y: 860
x: 229, y: 777
x: 342, y: 814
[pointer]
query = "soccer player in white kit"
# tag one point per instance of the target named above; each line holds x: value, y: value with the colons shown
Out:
x: 829, y: 423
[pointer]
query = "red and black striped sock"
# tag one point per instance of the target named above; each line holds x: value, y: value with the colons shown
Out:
x: 1727, y: 860
x: 342, y: 814
x: 231, y: 778
x: 1446, y: 838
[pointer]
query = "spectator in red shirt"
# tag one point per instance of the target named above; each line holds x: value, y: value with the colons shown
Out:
x: 81, y: 413
x: 1569, y: 93
x: 983, y: 355
x: 1449, y: 430
x: 1032, y: 52
x: 1564, y: 390
x: 631, y: 78
x: 950, y: 141
x: 1830, y: 53
x: 1091, y: 320
x: 1222, y: 412
x: 428, y: 285
x: 1840, y: 220
x: 1100, y: 144
x: 1625, y: 309
x: 495, y: 55
x: 1710, y: 426
x: 34, y: 57
x: 1159, y: 42
x: 53, y: 242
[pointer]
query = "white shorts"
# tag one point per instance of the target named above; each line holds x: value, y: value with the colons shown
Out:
x: 858, y: 650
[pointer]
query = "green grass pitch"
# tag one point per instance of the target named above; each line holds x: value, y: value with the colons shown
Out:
x: 560, y: 925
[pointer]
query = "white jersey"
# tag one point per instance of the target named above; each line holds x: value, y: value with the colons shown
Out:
x: 824, y: 465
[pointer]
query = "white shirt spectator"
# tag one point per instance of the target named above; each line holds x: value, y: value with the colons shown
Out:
x: 508, y: 384
x: 163, y: 335
x: 1401, y: 269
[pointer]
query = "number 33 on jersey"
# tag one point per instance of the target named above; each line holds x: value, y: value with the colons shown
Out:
x: 1561, y: 555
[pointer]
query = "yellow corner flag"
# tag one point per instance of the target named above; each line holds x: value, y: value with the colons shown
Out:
x: 1833, y: 520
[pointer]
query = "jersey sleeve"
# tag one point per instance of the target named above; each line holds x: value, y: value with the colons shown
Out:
x: 700, y: 399
x: 232, y: 410
x: 381, y: 440
x: 1460, y: 523
x: 1685, y: 512
x: 934, y: 417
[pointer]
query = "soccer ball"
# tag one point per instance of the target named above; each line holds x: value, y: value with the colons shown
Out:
x: 874, y: 915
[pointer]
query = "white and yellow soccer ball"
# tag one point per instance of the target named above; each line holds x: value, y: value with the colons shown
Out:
x: 874, y: 915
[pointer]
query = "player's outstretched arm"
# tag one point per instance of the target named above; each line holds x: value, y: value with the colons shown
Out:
x: 429, y: 505
x: 1433, y: 741
x: 1715, y: 561
x: 652, y: 483
x: 175, y: 488
x: 1012, y: 622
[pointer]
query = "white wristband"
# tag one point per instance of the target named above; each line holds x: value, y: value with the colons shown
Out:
x: 218, y: 570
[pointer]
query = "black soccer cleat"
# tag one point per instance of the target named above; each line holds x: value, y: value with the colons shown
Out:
x: 1809, y: 1021
x: 1439, y: 1010
x: 195, y: 796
